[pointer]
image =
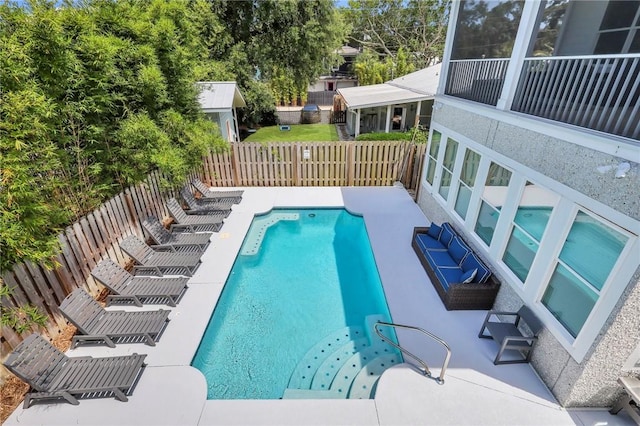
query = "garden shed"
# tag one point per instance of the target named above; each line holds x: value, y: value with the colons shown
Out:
x: 219, y: 101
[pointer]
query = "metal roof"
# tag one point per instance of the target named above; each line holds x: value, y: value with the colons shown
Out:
x: 218, y: 96
x: 417, y: 86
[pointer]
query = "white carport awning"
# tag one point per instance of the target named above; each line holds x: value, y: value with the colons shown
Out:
x: 379, y: 95
x: 420, y: 85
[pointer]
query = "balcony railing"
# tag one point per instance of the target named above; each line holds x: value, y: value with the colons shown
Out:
x: 478, y: 80
x: 596, y: 92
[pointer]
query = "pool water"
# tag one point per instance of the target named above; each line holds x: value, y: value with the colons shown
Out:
x: 304, y: 274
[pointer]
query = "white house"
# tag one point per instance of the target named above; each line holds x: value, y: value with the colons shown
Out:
x: 534, y: 157
x: 394, y: 106
x: 219, y: 101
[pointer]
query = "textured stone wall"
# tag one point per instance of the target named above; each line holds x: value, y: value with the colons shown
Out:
x: 591, y: 383
x: 567, y: 163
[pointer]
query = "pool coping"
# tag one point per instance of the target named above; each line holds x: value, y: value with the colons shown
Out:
x: 475, y: 391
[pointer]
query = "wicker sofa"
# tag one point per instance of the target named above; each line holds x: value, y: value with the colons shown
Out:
x: 462, y: 281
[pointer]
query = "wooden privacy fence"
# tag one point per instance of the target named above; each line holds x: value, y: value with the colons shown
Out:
x: 97, y: 235
x: 84, y: 244
x: 317, y: 164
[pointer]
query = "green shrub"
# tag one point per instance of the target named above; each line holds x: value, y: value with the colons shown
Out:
x: 421, y: 136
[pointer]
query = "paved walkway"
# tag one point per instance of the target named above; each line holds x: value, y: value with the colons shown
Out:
x: 343, y: 134
x: 476, y: 392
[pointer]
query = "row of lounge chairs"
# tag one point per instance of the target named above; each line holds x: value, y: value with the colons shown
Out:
x: 54, y: 376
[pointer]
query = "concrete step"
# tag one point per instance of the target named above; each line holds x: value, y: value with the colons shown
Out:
x: 311, y: 394
x: 256, y: 234
x: 333, y: 363
x: 344, y: 378
x: 302, y: 376
x: 364, y: 385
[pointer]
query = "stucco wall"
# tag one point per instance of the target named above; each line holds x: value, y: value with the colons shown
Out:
x: 567, y: 163
x: 593, y: 381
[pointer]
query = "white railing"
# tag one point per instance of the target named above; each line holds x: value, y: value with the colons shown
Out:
x: 596, y: 92
x: 478, y: 80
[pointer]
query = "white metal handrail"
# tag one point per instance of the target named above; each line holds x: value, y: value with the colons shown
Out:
x: 427, y: 372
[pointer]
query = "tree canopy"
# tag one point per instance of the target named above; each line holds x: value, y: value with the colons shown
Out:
x: 94, y: 97
x: 286, y: 44
x: 389, y: 28
x: 97, y: 93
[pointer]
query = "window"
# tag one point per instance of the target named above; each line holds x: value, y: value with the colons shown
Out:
x: 467, y: 181
x: 549, y: 27
x: 433, y: 155
x: 620, y: 28
x: 588, y: 255
x: 447, y: 167
x: 529, y: 224
x: 486, y: 29
x: 493, y: 198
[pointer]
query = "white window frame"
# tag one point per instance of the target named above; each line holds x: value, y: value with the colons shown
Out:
x: 555, y: 234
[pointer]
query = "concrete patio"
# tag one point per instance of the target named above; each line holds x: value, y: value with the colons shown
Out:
x: 476, y: 392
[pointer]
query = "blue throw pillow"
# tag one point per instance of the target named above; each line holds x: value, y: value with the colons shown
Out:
x: 468, y: 276
x: 434, y: 231
x: 458, y: 250
x: 446, y: 236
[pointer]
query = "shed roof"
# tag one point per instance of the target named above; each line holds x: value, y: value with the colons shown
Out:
x: 218, y: 96
x: 417, y: 86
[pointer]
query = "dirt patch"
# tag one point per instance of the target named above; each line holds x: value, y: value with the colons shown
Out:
x: 13, y: 390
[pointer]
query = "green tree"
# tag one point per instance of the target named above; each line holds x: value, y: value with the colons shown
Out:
x: 418, y: 27
x: 296, y: 38
x: 95, y: 95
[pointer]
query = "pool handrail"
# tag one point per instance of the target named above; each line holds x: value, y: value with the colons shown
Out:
x: 427, y: 372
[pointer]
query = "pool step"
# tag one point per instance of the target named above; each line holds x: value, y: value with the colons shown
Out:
x: 345, y: 364
x: 303, y: 374
x: 256, y: 234
x: 364, y: 385
x: 310, y: 394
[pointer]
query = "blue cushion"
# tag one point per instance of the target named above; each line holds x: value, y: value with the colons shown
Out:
x: 468, y: 276
x: 434, y: 231
x: 458, y: 250
x: 472, y: 262
x: 425, y: 242
x: 446, y: 235
x: 448, y: 276
x: 439, y: 258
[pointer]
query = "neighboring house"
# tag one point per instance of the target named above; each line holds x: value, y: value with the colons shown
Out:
x: 392, y: 106
x: 533, y: 155
x: 219, y: 100
x: 322, y: 91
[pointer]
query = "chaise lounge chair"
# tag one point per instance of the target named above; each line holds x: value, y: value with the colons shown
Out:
x: 205, y: 205
x: 207, y: 193
x: 159, y: 262
x: 125, y: 286
x: 193, y: 223
x: 53, y: 375
x: 95, y: 324
x: 165, y: 239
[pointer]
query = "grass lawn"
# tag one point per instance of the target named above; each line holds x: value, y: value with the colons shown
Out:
x: 298, y: 133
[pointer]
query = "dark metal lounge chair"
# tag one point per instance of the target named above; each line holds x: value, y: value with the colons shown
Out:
x: 95, y: 324
x: 163, y: 238
x: 184, y: 262
x: 53, y: 375
x: 125, y: 286
x: 508, y: 334
x: 193, y: 223
x: 205, y: 205
x: 207, y: 193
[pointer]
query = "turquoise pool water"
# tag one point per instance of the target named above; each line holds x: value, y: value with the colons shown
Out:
x: 300, y: 275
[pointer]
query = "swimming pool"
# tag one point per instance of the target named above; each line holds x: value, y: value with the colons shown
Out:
x: 303, y: 280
